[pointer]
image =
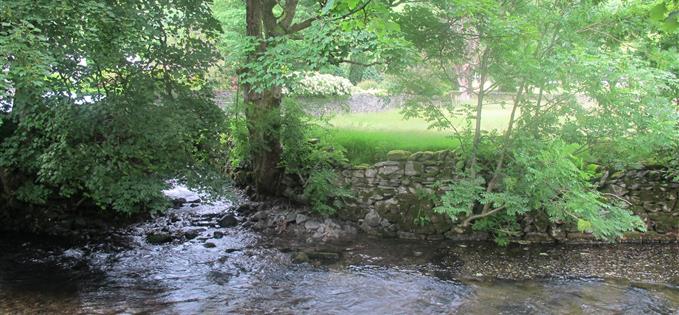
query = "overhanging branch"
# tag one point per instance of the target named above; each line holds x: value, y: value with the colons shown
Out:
x: 306, y: 23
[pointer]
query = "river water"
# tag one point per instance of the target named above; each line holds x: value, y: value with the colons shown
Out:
x: 248, y: 273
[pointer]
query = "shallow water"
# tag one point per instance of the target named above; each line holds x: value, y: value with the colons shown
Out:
x: 247, y: 273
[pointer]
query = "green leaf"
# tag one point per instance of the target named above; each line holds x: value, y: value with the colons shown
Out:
x: 584, y: 225
x: 328, y: 6
x: 671, y: 24
x: 658, y: 11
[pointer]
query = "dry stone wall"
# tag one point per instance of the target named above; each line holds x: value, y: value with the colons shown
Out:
x: 395, y: 198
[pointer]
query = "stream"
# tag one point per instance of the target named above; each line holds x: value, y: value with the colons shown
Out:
x: 237, y: 270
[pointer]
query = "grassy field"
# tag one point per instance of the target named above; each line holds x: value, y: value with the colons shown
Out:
x: 368, y: 137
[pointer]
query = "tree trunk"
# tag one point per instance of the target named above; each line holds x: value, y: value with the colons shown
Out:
x: 262, y: 108
x: 263, y: 116
x: 479, y: 110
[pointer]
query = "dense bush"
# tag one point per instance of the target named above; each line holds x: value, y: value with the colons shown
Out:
x: 103, y: 104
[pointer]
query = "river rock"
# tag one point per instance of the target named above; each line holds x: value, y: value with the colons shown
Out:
x: 300, y: 218
x: 178, y: 203
x: 158, y: 238
x: 259, y: 216
x: 246, y: 208
x: 407, y: 235
x: 312, y: 225
x: 191, y: 234
x: 228, y: 220
x: 372, y: 219
x: 300, y: 257
x: 325, y: 257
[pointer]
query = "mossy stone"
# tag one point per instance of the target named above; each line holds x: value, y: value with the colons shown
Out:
x: 398, y: 155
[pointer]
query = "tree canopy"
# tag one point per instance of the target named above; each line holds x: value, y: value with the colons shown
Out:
x: 104, y: 102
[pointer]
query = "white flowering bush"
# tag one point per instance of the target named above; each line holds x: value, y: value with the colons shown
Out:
x: 321, y: 85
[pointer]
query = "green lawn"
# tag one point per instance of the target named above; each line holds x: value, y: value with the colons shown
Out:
x: 368, y: 137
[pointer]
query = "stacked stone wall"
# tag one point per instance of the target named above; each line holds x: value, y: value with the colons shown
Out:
x: 395, y: 198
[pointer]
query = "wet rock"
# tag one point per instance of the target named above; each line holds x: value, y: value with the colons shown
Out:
x: 191, y: 234
x: 312, y: 225
x: 231, y: 250
x: 325, y: 257
x: 407, y: 235
x: 300, y: 218
x: 300, y: 257
x: 291, y: 217
x: 174, y: 218
x: 217, y: 235
x: 259, y: 216
x: 178, y: 203
x: 158, y: 238
x: 209, y: 245
x: 193, y: 205
x: 372, y: 219
x: 227, y: 221
x: 219, y: 277
x: 435, y: 237
x: 538, y: 237
x: 247, y: 208
x: 74, y: 254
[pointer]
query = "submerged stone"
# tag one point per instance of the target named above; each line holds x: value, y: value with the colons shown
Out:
x: 158, y: 238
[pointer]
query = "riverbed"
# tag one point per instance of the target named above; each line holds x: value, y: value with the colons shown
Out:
x: 237, y: 270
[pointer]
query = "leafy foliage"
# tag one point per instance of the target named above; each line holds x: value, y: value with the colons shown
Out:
x: 580, y: 97
x: 312, y: 160
x: 105, y: 102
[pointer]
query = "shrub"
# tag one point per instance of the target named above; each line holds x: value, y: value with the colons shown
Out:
x: 310, y: 154
x: 321, y: 85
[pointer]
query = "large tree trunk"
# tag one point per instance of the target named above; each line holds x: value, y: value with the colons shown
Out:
x: 263, y: 108
x: 263, y: 116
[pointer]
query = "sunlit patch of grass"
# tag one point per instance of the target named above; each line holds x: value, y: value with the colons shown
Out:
x: 368, y: 137
x: 369, y: 146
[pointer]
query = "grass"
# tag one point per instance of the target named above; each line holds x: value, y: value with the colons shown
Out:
x: 368, y: 137
x: 370, y: 146
x: 494, y: 117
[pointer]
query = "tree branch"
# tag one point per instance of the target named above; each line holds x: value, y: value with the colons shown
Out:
x: 288, y: 13
x: 361, y: 63
x: 471, y: 218
x: 306, y: 23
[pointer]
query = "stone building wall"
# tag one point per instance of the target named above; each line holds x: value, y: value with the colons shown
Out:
x: 395, y: 198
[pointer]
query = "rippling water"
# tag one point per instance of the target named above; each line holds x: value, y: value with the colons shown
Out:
x: 245, y: 273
